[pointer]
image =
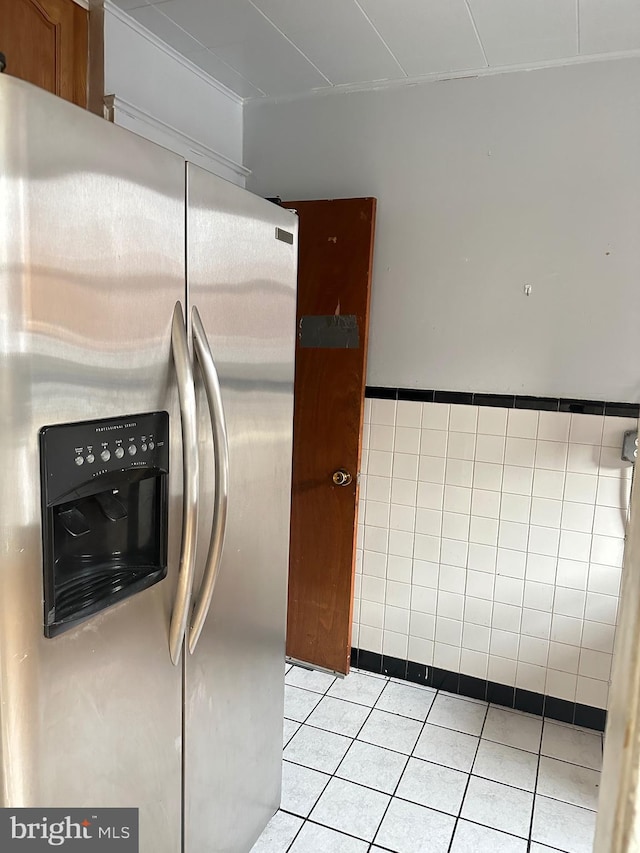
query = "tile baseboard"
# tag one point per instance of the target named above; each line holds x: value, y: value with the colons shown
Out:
x: 477, y: 688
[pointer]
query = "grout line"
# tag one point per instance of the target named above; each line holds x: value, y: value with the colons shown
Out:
x: 394, y: 794
x: 466, y: 788
x: 331, y: 775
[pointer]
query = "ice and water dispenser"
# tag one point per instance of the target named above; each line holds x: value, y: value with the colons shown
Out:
x: 104, y: 513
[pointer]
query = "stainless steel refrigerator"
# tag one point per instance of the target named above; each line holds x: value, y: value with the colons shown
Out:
x: 133, y: 286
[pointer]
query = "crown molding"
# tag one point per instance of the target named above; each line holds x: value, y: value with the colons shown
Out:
x: 439, y: 77
x: 137, y: 27
x: 178, y: 141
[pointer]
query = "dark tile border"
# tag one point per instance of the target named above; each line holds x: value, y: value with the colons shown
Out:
x: 371, y: 661
x: 501, y: 694
x: 381, y: 393
x: 443, y: 679
x: 477, y: 688
x: 460, y: 398
x: 621, y: 410
x: 415, y: 395
x: 582, y: 407
x: 506, y: 401
x: 394, y: 667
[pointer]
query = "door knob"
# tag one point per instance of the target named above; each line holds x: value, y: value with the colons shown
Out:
x: 342, y: 477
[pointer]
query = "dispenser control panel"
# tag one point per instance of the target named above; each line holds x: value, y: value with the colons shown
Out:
x: 79, y: 452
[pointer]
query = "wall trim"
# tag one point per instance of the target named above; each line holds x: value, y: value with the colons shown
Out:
x: 506, y: 401
x: 114, y: 104
x: 441, y: 77
x: 117, y: 13
x: 508, y: 696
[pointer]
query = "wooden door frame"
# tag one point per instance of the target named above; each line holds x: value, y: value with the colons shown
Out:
x: 332, y: 653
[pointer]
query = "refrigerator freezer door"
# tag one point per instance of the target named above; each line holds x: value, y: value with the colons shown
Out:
x: 243, y: 282
x: 91, y: 266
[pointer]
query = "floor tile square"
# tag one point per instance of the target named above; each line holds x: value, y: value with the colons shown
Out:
x: 390, y: 731
x: 573, y: 745
x: 408, y: 828
x: 372, y: 766
x: 289, y: 728
x: 432, y: 785
x: 336, y: 715
x: 405, y: 700
x: 350, y: 808
x: 362, y: 689
x: 319, y: 839
x: 458, y: 714
x: 505, y: 764
x: 498, y: 806
x: 317, y: 749
x: 570, y: 783
x: 301, y: 788
x: 278, y: 834
x: 448, y: 747
x: 513, y: 729
x: 563, y: 826
x: 298, y: 704
x: 309, y: 679
x: 472, y: 838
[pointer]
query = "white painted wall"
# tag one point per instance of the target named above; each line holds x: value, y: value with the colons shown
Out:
x: 165, y: 98
x: 484, y: 185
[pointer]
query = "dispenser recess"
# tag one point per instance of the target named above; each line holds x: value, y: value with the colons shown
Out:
x: 104, y: 513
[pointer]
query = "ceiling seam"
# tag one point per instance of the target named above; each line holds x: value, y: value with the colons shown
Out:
x: 377, y: 32
x: 204, y: 47
x: 476, y: 31
x: 578, y: 25
x: 292, y: 43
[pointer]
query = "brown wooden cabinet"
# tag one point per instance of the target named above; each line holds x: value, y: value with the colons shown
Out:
x: 47, y: 43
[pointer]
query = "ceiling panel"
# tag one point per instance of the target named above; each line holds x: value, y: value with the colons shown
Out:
x: 163, y: 27
x: 126, y: 5
x: 290, y: 47
x: 609, y: 25
x: 339, y: 41
x: 217, y: 22
x: 220, y: 71
x: 272, y: 64
x: 427, y: 36
x: 515, y: 32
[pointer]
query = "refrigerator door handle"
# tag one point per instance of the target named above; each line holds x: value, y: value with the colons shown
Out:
x: 187, y: 397
x: 221, y: 453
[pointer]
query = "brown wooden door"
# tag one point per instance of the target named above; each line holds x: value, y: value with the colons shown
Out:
x: 334, y: 278
x: 46, y: 42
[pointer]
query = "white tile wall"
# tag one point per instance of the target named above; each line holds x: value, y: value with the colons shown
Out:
x: 491, y: 541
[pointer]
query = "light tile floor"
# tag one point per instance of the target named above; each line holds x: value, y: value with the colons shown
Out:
x: 376, y: 764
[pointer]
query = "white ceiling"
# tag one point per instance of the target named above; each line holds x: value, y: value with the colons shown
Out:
x: 276, y: 48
